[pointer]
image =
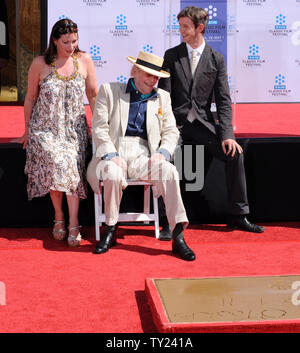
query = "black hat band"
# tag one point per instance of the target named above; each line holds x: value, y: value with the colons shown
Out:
x: 149, y: 65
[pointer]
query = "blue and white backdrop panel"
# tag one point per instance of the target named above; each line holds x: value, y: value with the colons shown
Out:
x: 260, y: 39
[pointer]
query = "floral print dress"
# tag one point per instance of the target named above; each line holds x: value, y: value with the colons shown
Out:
x: 58, y: 138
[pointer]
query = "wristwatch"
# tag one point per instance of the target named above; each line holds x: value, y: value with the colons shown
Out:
x: 109, y: 156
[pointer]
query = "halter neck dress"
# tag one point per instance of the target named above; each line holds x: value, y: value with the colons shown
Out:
x: 58, y: 137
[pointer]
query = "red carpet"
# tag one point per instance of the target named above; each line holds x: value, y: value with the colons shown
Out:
x: 252, y: 120
x: 52, y: 288
x: 267, y: 120
x: 12, y: 121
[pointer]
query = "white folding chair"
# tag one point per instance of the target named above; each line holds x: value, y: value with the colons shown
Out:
x: 144, y: 216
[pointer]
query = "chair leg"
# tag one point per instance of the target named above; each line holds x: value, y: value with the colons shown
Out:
x: 97, y: 202
x: 156, y: 215
x: 99, y: 216
x: 147, y: 200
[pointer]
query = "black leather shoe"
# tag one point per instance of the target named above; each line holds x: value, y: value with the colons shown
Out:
x: 165, y: 234
x: 242, y: 223
x: 179, y: 247
x: 108, y: 240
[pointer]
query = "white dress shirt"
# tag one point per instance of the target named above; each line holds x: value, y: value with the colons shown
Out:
x: 199, y: 50
x: 192, y: 115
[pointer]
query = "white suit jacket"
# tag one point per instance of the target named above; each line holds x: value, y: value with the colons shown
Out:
x: 110, y: 120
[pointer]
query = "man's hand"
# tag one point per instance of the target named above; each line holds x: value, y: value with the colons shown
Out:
x: 155, y: 158
x: 120, y: 162
x: 230, y: 147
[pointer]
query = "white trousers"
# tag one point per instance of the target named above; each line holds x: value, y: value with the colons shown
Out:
x: 163, y: 175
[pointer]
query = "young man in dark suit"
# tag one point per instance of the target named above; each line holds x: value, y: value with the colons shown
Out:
x: 198, y: 73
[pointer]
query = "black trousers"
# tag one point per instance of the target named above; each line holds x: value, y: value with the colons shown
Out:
x: 198, y: 134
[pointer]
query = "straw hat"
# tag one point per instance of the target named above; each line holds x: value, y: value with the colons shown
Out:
x: 149, y: 63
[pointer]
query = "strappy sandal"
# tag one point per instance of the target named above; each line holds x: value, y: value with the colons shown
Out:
x: 74, y: 240
x: 59, y: 234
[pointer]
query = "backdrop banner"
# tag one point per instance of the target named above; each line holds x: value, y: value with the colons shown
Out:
x: 268, y: 52
x: 259, y: 39
x: 216, y: 31
x: 110, y: 30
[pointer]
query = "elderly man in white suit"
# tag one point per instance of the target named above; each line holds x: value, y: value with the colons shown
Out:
x: 135, y: 133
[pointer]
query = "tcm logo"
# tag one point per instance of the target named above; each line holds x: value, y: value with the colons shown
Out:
x: 254, y: 58
x: 63, y: 17
x: 253, y: 52
x: 2, y: 294
x: 173, y: 22
x: 122, y: 79
x: 121, y: 22
x: 213, y: 13
x: 280, y: 22
x: 2, y: 33
x: 148, y: 48
x: 95, y: 52
x: 97, y: 58
x: 280, y: 82
x: 121, y: 29
x: 280, y: 88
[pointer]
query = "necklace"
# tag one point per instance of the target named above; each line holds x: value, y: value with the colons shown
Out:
x: 66, y: 78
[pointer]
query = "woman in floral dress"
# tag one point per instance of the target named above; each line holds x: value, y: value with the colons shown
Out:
x: 56, y: 132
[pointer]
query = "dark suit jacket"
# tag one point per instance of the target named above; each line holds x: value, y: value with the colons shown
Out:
x: 210, y: 80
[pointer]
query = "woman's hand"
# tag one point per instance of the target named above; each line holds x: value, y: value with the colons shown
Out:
x: 23, y: 139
